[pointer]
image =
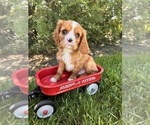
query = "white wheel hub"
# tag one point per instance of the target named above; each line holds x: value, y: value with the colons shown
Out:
x: 45, y: 111
x: 21, y: 112
x: 92, y: 89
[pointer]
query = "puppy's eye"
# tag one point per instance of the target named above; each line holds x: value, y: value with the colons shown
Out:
x: 77, y: 35
x: 64, y: 32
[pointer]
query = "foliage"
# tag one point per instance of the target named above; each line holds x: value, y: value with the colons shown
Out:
x: 101, y: 19
x: 13, y: 26
x: 78, y: 108
x: 136, y: 20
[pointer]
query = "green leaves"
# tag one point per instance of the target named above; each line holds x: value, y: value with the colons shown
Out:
x: 13, y: 26
x: 94, y: 16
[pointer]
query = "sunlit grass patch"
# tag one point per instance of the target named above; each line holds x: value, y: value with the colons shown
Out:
x: 136, y: 89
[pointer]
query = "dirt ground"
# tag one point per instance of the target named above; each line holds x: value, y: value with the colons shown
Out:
x: 10, y: 63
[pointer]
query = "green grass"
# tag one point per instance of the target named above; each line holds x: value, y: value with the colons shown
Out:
x: 136, y: 89
x: 76, y: 108
x: 124, y: 96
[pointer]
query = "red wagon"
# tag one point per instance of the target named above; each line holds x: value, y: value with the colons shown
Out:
x: 46, y: 108
x: 20, y: 90
x: 20, y: 79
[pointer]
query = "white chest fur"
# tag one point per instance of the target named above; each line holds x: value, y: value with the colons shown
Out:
x: 66, y: 57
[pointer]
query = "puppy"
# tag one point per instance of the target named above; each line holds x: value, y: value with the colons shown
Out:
x: 73, y: 50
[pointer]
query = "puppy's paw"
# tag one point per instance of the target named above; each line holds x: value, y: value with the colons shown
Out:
x: 70, y: 79
x: 53, y: 80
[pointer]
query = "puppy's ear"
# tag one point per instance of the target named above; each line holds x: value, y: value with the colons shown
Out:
x: 83, y: 46
x: 57, y: 31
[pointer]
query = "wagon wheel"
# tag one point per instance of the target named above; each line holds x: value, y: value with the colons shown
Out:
x: 20, y: 109
x: 92, y: 88
x: 45, y: 108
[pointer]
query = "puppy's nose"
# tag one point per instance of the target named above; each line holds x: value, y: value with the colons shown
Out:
x: 70, y: 40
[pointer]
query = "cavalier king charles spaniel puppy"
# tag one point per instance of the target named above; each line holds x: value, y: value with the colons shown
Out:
x: 73, y: 50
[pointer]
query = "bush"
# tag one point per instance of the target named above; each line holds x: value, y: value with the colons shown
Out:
x: 101, y: 19
x: 13, y: 27
x: 136, y: 21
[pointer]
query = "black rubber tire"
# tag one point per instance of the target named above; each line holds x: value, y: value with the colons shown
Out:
x: 17, y: 106
x: 44, y: 103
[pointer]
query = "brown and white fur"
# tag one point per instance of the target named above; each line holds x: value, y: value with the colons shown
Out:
x: 73, y: 50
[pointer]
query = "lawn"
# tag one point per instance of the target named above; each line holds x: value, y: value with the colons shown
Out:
x: 136, y: 89
x: 123, y: 97
x: 78, y: 108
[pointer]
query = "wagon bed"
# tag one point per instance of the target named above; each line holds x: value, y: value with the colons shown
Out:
x: 44, y: 75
